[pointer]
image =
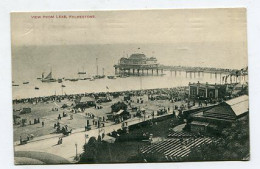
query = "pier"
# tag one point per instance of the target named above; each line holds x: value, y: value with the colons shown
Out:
x: 141, y: 65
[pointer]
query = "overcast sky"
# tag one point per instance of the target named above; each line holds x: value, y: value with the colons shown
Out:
x: 215, y: 37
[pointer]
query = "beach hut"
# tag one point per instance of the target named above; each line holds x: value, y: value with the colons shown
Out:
x: 26, y: 110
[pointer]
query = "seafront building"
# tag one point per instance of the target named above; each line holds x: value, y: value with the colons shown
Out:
x: 206, y: 90
x: 137, y: 64
x: 219, y: 116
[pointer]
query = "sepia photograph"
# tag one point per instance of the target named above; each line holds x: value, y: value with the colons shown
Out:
x: 130, y: 86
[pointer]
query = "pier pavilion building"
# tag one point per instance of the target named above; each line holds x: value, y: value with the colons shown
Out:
x: 137, y: 64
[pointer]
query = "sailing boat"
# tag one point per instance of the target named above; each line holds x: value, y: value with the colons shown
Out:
x: 48, y: 78
x: 97, y: 75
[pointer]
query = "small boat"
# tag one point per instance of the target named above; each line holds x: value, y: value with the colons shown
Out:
x: 82, y: 73
x: 36, y: 88
x: 86, y: 78
x: 111, y: 77
x: 25, y: 82
x: 73, y: 80
x: 15, y: 85
x: 99, y: 76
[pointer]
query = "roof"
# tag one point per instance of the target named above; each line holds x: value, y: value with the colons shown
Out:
x: 221, y: 111
x: 237, y: 100
x: 174, y: 134
x: 229, y: 110
x: 137, y: 56
x: 175, y: 148
x: 206, y: 85
x: 120, y: 112
x: 86, y: 99
x: 199, y: 123
x: 239, y: 105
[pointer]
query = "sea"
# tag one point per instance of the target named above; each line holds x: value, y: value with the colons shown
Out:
x: 29, y: 62
x: 168, y: 80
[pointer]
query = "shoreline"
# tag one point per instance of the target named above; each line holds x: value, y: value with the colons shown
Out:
x: 100, y: 93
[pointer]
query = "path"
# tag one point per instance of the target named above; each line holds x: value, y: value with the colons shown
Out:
x: 67, y: 149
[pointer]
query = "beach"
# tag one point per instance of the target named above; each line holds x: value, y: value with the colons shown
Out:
x: 110, y: 85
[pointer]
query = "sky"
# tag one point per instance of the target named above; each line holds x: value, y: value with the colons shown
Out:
x: 193, y: 37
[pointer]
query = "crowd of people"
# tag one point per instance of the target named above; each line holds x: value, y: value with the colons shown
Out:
x: 59, y: 98
x: 177, y: 94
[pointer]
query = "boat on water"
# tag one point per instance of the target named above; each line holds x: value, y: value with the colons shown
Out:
x: 99, y: 76
x: 111, y: 77
x: 84, y: 79
x: 82, y: 73
x: 36, y: 88
x: 25, y: 82
x: 73, y: 80
x: 48, y: 78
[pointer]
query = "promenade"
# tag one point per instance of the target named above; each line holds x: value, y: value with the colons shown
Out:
x: 67, y: 149
x: 47, y: 143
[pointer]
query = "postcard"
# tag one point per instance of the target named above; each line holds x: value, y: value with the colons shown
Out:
x: 133, y: 86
